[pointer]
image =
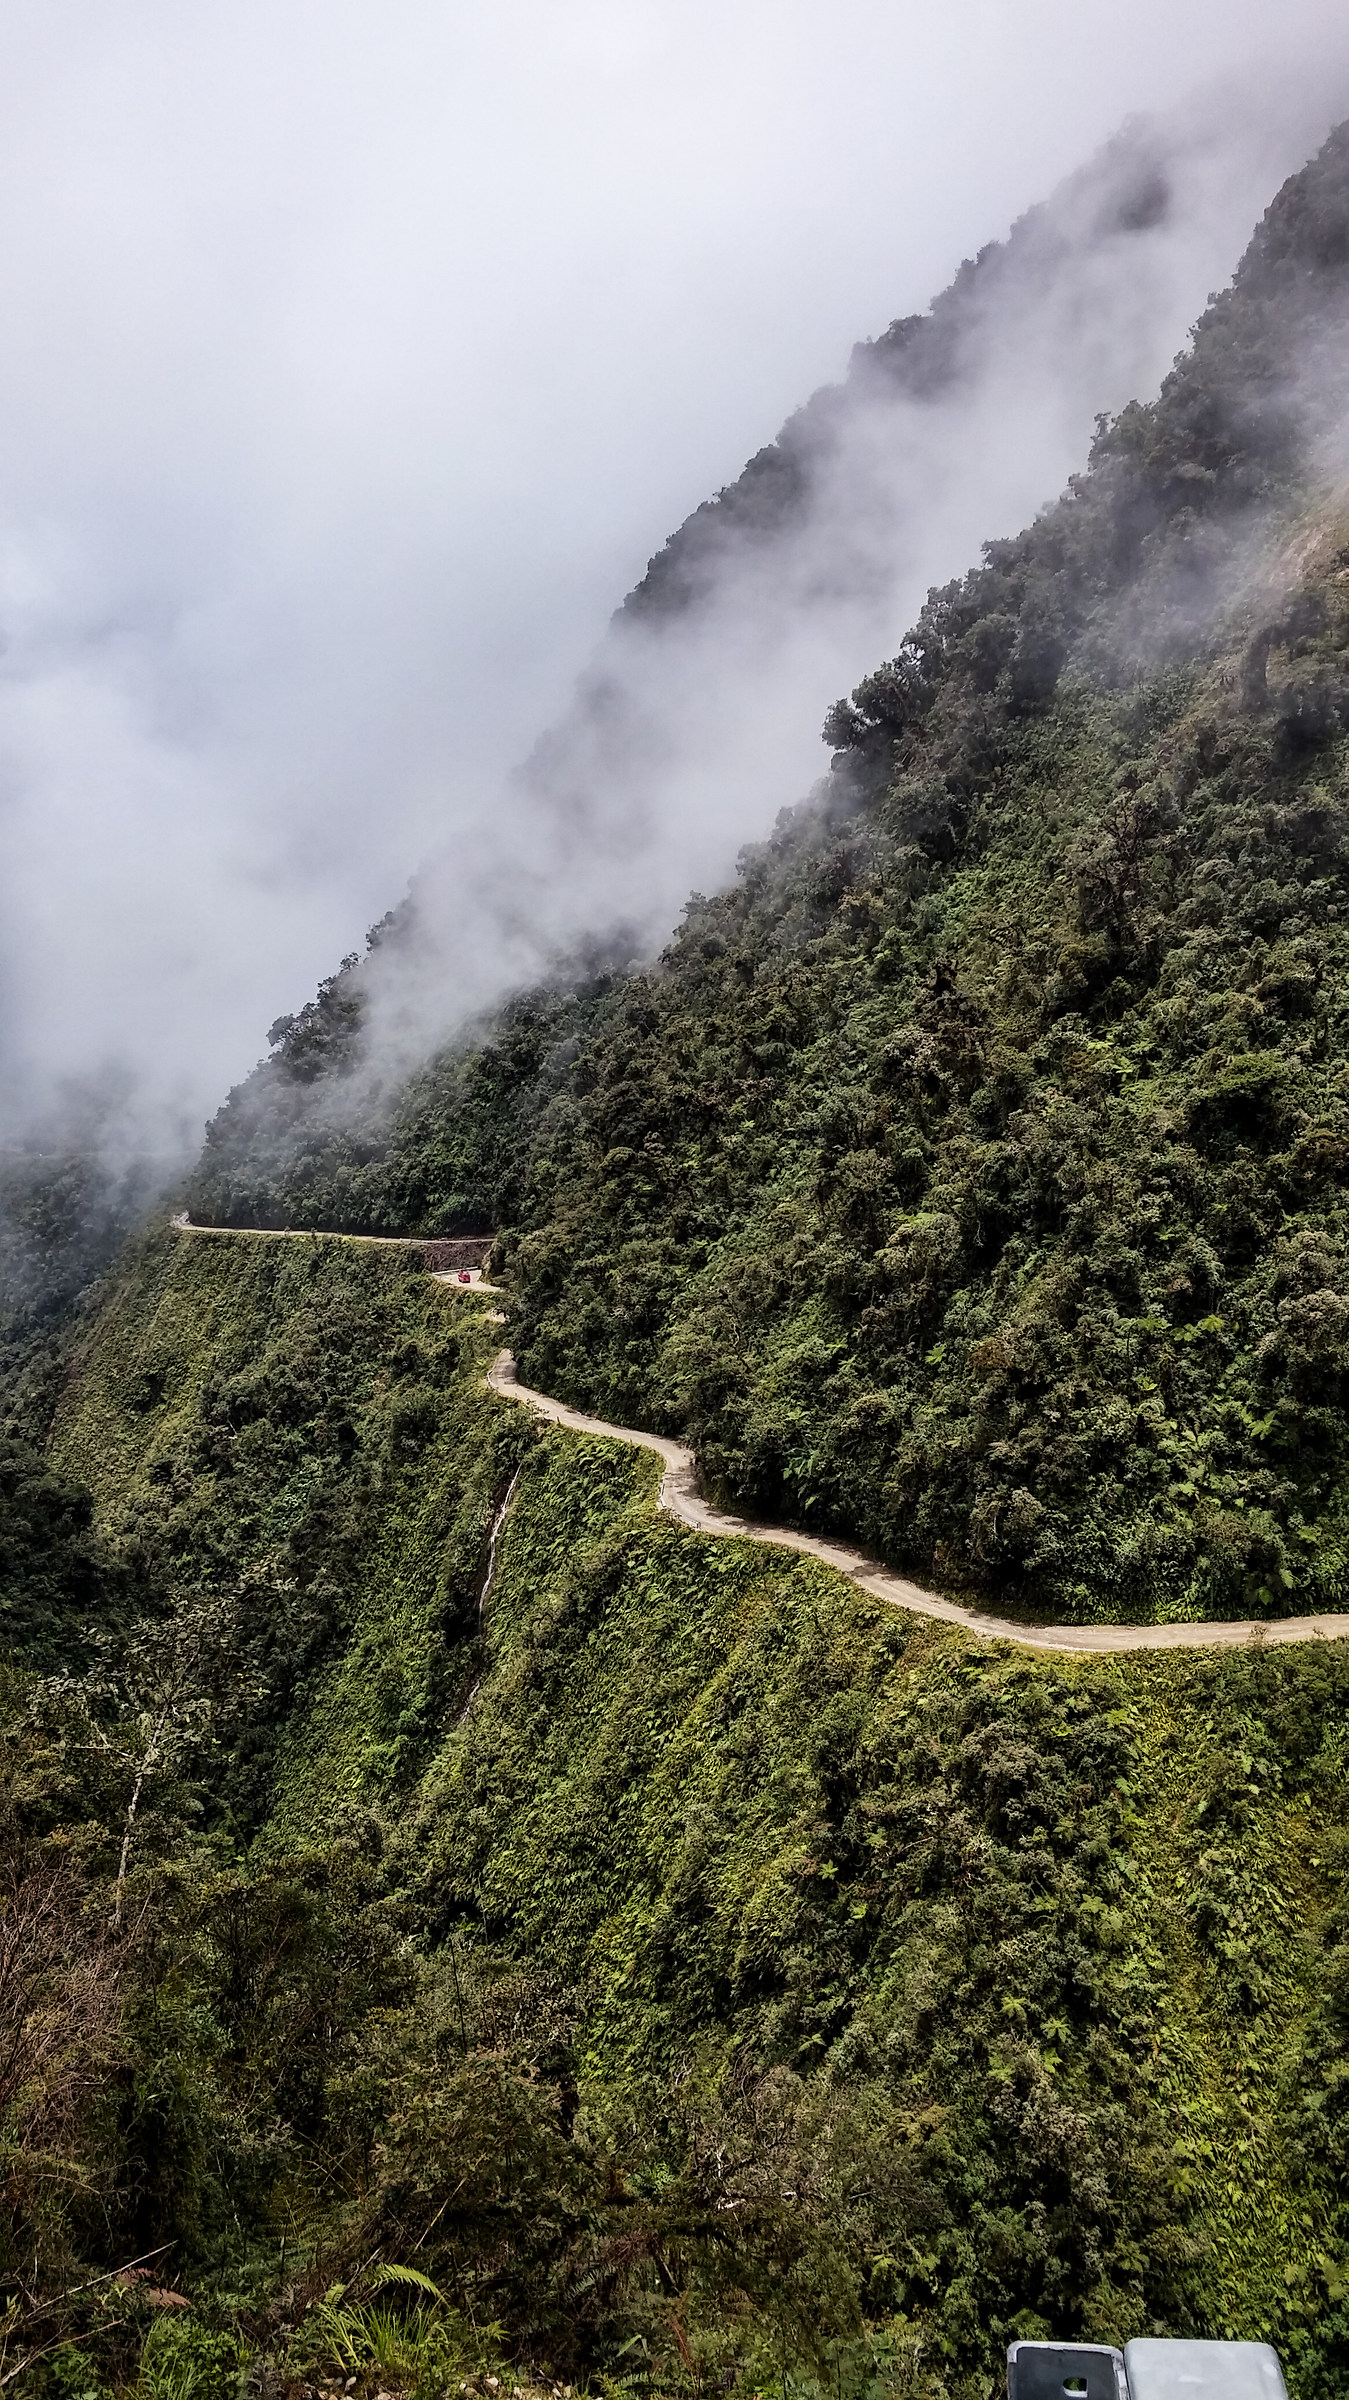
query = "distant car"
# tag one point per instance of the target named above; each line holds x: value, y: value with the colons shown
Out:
x: 464, y: 1275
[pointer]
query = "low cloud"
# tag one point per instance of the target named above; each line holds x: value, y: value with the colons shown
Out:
x: 358, y: 358
x: 700, y: 716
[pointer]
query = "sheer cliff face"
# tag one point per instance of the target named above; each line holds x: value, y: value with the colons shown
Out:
x: 699, y: 717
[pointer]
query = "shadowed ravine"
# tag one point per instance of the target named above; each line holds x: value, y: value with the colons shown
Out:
x: 681, y: 1498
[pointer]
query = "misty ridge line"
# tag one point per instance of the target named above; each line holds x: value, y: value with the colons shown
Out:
x: 764, y: 602
x: 704, y: 704
x: 1184, y: 530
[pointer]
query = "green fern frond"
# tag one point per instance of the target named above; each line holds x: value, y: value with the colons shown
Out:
x: 388, y: 2272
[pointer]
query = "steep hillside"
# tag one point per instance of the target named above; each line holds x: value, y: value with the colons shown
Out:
x: 968, y: 1176
x: 292, y: 1436
x: 459, y: 1923
x: 692, y: 722
x: 691, y: 1962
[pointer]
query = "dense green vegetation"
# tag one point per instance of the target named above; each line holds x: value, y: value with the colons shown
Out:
x: 56, y: 1576
x: 608, y: 1954
x: 704, y: 1976
x: 968, y: 1177
x: 279, y: 1431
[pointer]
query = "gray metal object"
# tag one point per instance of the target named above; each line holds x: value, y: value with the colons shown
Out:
x: 1065, y: 2371
x: 1203, y: 2371
x: 1144, y: 2371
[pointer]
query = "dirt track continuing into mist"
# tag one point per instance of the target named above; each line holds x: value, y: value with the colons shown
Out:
x: 681, y: 1498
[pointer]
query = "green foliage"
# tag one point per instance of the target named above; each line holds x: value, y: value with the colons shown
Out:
x: 56, y: 1576
x: 183, y: 2360
x: 73, y: 2376
x: 968, y: 1177
x: 65, y: 1211
x: 735, y: 1980
x: 281, y: 1430
x: 442, y: 1154
x: 669, y: 1964
x: 973, y: 1952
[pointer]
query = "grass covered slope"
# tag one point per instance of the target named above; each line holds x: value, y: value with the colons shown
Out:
x: 1022, y: 1980
x: 969, y: 1177
x: 292, y: 1435
x: 702, y: 1972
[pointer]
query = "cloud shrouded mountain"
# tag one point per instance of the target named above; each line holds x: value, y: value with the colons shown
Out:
x: 968, y: 1174
x: 700, y: 714
x: 352, y: 371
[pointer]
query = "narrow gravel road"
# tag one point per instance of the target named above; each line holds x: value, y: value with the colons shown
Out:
x: 682, y: 1499
x: 182, y: 1223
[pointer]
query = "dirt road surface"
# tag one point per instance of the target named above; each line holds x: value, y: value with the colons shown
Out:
x: 681, y: 1497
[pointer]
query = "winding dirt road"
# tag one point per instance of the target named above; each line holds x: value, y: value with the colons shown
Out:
x: 682, y: 1499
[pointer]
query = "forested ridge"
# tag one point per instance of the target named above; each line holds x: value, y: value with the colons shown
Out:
x: 968, y: 1177
x: 460, y: 1927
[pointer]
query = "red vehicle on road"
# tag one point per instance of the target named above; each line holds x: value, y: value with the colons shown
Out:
x: 464, y: 1275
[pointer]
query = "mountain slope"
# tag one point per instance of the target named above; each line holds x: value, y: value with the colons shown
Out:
x: 968, y: 1176
x: 461, y: 1923
x: 671, y: 1950
x: 698, y: 713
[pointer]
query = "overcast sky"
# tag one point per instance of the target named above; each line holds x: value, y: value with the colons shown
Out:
x: 355, y: 360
